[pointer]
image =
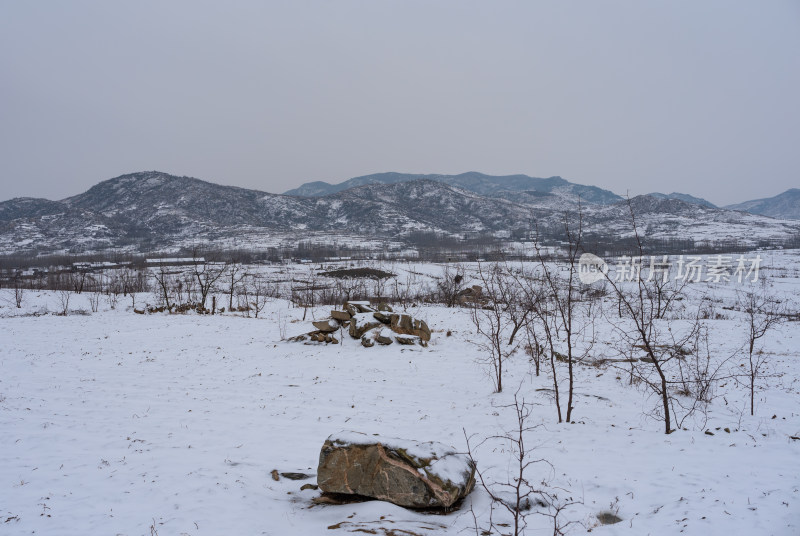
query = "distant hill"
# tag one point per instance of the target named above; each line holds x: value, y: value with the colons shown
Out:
x: 684, y: 197
x: 480, y: 183
x: 785, y: 205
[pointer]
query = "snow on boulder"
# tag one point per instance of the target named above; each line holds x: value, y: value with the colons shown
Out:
x: 407, y: 473
x: 361, y: 323
x: 406, y: 325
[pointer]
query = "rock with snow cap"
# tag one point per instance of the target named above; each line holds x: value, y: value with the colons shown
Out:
x: 407, y: 473
x: 361, y: 323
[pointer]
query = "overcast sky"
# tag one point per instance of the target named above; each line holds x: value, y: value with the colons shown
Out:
x: 690, y: 96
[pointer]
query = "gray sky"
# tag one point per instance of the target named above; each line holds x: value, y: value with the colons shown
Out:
x: 696, y: 97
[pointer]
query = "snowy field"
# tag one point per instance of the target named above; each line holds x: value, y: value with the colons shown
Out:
x: 121, y: 423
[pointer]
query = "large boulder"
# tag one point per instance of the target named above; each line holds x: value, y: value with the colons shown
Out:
x: 407, y: 473
x: 361, y: 323
x: 406, y: 325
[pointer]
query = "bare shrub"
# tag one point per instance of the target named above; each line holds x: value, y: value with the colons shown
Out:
x: 63, y: 301
x: 522, y: 494
x: 19, y: 292
x: 449, y: 285
x: 94, y: 300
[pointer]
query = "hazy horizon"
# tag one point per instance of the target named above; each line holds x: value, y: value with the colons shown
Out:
x: 697, y: 98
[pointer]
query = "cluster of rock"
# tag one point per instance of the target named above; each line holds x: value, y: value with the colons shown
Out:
x: 373, y: 325
x: 407, y: 473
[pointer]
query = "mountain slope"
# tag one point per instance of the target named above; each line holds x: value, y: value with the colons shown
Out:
x: 28, y: 207
x: 420, y: 205
x: 480, y: 183
x: 677, y: 219
x: 785, y: 205
x: 684, y: 197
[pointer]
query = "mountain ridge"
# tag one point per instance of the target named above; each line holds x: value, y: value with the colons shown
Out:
x: 784, y: 205
x: 474, y: 181
x: 152, y: 210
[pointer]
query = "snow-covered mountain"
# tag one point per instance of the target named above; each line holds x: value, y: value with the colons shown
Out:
x: 156, y: 210
x: 785, y: 205
x: 684, y: 197
x: 487, y: 185
x: 153, y: 210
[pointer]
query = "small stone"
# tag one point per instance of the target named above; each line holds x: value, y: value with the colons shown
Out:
x: 408, y: 340
x: 296, y: 476
x: 608, y: 518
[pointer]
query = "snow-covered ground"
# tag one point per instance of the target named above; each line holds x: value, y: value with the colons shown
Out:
x: 119, y: 423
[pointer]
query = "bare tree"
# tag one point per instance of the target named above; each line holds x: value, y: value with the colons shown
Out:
x: 559, y: 316
x: 493, y: 323
x: 233, y: 278
x: 532, y: 297
x: 762, y: 312
x: 514, y: 299
x: 164, y: 282
x: 260, y: 293
x: 78, y: 280
x: 642, y: 304
x: 206, y: 273
x: 305, y: 296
